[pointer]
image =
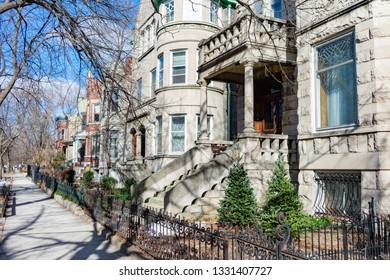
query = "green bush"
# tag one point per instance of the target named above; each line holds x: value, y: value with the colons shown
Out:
x: 239, y: 206
x: 121, y: 194
x: 129, y: 182
x: 87, y: 179
x: 282, y: 196
x: 108, y: 183
x: 58, y: 160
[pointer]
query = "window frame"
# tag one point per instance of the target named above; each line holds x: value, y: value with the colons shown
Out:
x: 114, y: 108
x: 139, y: 90
x: 153, y: 81
x: 214, y: 12
x: 171, y: 117
x: 277, y: 13
x: 95, y: 145
x: 159, y: 132
x: 148, y: 38
x: 116, y: 145
x: 94, y: 113
x: 185, y: 51
x: 210, y: 120
x: 160, y: 59
x: 169, y: 15
x: 317, y: 84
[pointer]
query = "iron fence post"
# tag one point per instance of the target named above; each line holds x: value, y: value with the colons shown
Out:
x: 226, y: 248
x: 371, y: 220
x: 345, y: 240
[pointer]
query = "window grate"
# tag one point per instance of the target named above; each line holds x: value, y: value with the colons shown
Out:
x: 338, y: 193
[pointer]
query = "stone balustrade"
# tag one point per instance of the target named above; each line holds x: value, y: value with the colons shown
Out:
x: 247, y: 30
x: 267, y: 148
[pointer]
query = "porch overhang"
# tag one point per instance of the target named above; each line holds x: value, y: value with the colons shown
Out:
x: 222, y: 55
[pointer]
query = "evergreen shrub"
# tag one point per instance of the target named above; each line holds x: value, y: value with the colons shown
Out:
x: 87, y: 179
x: 282, y: 196
x: 239, y: 206
x: 108, y: 183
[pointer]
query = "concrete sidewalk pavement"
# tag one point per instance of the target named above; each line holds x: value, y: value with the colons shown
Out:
x: 39, y: 228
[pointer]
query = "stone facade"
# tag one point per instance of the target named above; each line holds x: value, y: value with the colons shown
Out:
x: 148, y: 141
x: 267, y: 59
x: 364, y: 147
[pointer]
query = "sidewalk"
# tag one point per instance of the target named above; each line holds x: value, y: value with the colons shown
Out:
x: 39, y: 228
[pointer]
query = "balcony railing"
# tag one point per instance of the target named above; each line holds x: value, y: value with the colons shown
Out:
x: 275, y: 33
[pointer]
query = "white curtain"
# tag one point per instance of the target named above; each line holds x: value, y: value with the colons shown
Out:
x: 177, y: 134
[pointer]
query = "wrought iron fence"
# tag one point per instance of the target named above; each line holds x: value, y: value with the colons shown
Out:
x: 4, y: 194
x: 170, y: 237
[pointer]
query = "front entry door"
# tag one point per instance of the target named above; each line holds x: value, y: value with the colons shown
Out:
x: 268, y: 109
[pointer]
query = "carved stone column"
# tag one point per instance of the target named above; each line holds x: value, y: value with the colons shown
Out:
x: 248, y: 96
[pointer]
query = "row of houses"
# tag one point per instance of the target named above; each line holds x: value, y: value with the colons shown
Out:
x: 214, y: 81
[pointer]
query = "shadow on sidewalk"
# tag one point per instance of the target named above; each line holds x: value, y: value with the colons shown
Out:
x: 40, y: 234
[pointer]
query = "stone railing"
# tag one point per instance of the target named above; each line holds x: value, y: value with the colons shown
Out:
x: 275, y: 33
x: 268, y: 148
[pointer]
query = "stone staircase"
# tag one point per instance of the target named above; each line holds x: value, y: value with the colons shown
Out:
x: 208, y: 204
x: 157, y: 200
x: 196, y: 193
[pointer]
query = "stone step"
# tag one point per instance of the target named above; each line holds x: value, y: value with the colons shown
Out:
x: 207, y: 201
x: 175, y: 182
x: 157, y: 201
x: 214, y: 194
x: 201, y: 209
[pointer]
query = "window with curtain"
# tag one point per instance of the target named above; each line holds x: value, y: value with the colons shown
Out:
x: 177, y: 132
x: 159, y: 135
x: 336, y: 83
x: 178, y: 67
x: 169, y: 11
x: 161, y: 70
x: 153, y: 81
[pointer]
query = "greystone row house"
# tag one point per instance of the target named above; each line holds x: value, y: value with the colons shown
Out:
x: 305, y: 81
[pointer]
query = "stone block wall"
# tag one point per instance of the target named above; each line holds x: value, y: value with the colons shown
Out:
x: 366, y: 147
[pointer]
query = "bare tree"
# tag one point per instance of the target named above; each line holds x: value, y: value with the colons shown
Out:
x: 11, y: 126
x: 41, y: 38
